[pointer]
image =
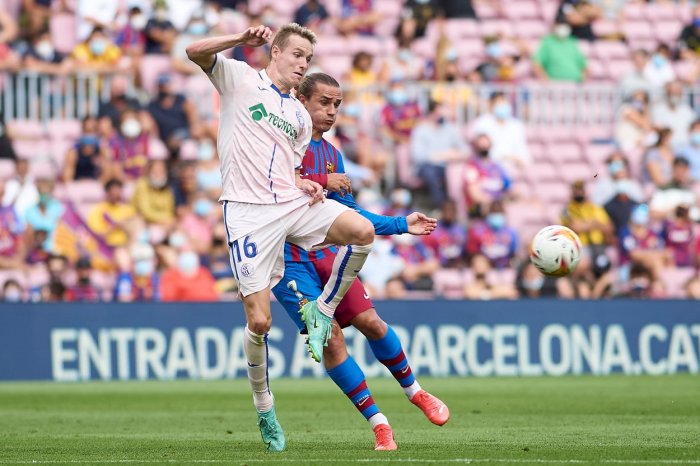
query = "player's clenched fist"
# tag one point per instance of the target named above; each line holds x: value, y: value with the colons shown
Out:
x: 256, y: 36
x: 420, y: 224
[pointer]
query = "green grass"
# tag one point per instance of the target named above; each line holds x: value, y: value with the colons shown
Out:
x: 570, y: 420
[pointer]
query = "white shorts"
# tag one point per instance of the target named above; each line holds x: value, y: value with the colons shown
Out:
x: 257, y: 233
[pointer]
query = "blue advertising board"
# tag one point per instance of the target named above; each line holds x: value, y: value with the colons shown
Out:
x: 75, y: 342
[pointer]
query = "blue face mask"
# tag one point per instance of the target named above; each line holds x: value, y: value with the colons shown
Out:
x: 502, y: 110
x: 625, y: 187
x: 496, y: 220
x: 177, y: 240
x: 205, y: 151
x: 615, y: 167
x: 209, y: 179
x: 144, y: 268
x: 202, y: 207
x: 640, y: 215
x: 89, y: 140
x: 534, y: 284
x: 658, y: 60
x: 695, y: 138
x: 405, y: 55
x: 494, y: 50
x: 188, y: 262
x: 398, y: 97
x: 98, y: 46
x: 197, y: 29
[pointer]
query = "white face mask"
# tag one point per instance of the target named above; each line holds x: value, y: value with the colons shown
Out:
x: 562, y: 31
x: 131, y: 128
x: 44, y: 49
x: 139, y: 22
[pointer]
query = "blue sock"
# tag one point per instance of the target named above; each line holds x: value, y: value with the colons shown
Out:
x: 389, y: 352
x: 351, y: 380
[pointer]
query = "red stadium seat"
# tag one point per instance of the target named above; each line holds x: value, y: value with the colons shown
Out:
x: 522, y: 9
x: 565, y: 152
x: 572, y: 171
x: 686, y: 70
x: 85, y: 191
x: 607, y: 50
x: 548, y: 10
x: 29, y: 129
x: 530, y: 28
x: 151, y: 67
x: 64, y: 129
x: 32, y: 149
x: 637, y: 30
x: 617, y: 69
x: 604, y: 27
x: 462, y: 28
x: 7, y: 169
x: 674, y: 279
x: 667, y: 31
x: 660, y: 12
x: 493, y: 27
x: 545, y: 171
x: 634, y: 11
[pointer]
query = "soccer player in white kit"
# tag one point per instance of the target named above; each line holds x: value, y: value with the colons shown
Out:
x: 263, y: 134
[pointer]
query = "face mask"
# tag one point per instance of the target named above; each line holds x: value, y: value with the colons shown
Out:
x: 158, y: 183
x: 579, y: 198
x: 197, y: 29
x: 625, y: 187
x: 131, y: 128
x: 44, y: 198
x: 639, y: 104
x: 98, y: 46
x: 144, y: 237
x: 88, y: 140
x: 483, y: 153
x: 615, y: 167
x: 404, y: 240
x: 398, y: 97
x: 695, y: 138
x: 405, y: 55
x: 534, y: 284
x: 188, y: 262
x: 496, y: 220
x: 451, y: 55
x: 161, y: 14
x: 202, y: 207
x: 177, y: 240
x: 44, y: 49
x: 640, y: 215
x: 205, y: 151
x: 562, y: 31
x: 441, y: 120
x: 502, y: 110
x: 139, y: 22
x: 268, y: 20
x: 144, y: 268
x: 13, y: 295
x: 494, y: 50
x: 674, y: 100
x: 658, y: 60
x: 401, y: 197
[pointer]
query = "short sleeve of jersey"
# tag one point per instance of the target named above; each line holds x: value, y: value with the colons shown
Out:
x: 303, y: 138
x: 226, y: 74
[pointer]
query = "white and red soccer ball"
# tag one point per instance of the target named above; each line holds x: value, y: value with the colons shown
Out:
x: 555, y: 250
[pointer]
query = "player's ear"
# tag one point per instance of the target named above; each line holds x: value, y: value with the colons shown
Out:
x: 301, y: 97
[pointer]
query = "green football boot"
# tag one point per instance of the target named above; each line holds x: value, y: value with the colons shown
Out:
x: 271, y: 431
x: 318, y: 326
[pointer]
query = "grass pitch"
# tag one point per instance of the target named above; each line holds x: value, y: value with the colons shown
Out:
x: 570, y: 420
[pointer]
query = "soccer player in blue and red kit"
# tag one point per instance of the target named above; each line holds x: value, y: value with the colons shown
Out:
x: 306, y: 272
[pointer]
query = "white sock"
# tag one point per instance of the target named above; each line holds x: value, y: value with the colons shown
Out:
x: 255, y: 348
x: 377, y: 419
x: 346, y: 266
x: 412, y: 389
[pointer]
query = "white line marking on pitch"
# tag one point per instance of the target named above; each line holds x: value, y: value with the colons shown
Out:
x: 363, y: 460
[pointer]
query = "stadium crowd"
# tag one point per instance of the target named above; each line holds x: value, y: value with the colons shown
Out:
x: 128, y: 209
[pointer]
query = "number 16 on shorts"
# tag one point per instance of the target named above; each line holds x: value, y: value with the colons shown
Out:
x: 240, y: 249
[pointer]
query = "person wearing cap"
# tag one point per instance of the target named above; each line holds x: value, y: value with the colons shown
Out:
x: 559, y: 57
x: 689, y: 39
x: 83, y: 290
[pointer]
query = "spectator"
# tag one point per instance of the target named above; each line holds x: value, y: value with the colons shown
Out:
x: 88, y: 159
x: 482, y: 287
x: 9, y: 60
x: 643, y: 283
x: 458, y: 9
x: 678, y: 191
x: 403, y: 65
x: 43, y: 58
x: 579, y: 15
x: 83, y: 291
x: 361, y: 74
x: 13, y: 248
x: 45, y: 215
x: 38, y: 250
x: 689, y: 40
x: 110, y: 111
x: 174, y: 114
x: 185, y: 186
x: 196, y: 29
x: 160, y: 32
x: 691, y: 151
x: 12, y: 291
x: 187, y: 282
x: 400, y: 203
x: 419, y: 266
x: 400, y: 115
x: 208, y: 173
x: 499, y: 65
x: 434, y: 143
x: 381, y: 270
x: 592, y: 224
x: 692, y: 288
x: 658, y: 160
x: 493, y: 238
x: 132, y: 37
x: 448, y: 240
x: 421, y: 12
x: 620, y: 207
x: 6, y: 149
x: 558, y: 57
x: 358, y: 17
x: 153, y: 199
x: 531, y: 284
x: 484, y: 180
x: 674, y: 113
x: 450, y: 89
x: 640, y: 244
x: 635, y: 79
x: 20, y: 190
x: 97, y: 53
x: 606, y: 187
x: 198, y: 224
x: 217, y: 260
x: 129, y: 147
x: 92, y: 14
x: 311, y: 14
x: 365, y: 158
x: 138, y: 280
x: 659, y: 70
x: 678, y: 236
x: 506, y: 132
x: 110, y: 219
x: 633, y: 127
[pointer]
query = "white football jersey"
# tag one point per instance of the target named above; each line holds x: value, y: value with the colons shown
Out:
x: 262, y: 137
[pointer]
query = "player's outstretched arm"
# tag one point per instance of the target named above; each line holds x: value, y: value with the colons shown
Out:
x: 203, y: 52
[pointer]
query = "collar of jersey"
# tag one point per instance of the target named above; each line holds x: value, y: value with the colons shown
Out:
x: 313, y: 142
x: 263, y: 75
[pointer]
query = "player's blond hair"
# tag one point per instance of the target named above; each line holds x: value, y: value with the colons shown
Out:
x: 292, y: 29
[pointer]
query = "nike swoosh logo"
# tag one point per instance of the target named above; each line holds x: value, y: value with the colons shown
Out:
x: 363, y: 401
x: 253, y: 365
x: 404, y: 370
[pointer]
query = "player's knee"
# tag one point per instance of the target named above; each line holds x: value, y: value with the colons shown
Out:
x: 259, y: 323
x: 364, y: 233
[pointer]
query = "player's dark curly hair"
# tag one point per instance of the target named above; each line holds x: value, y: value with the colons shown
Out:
x: 308, y: 85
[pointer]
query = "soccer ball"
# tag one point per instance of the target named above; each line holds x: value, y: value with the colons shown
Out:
x: 555, y: 250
